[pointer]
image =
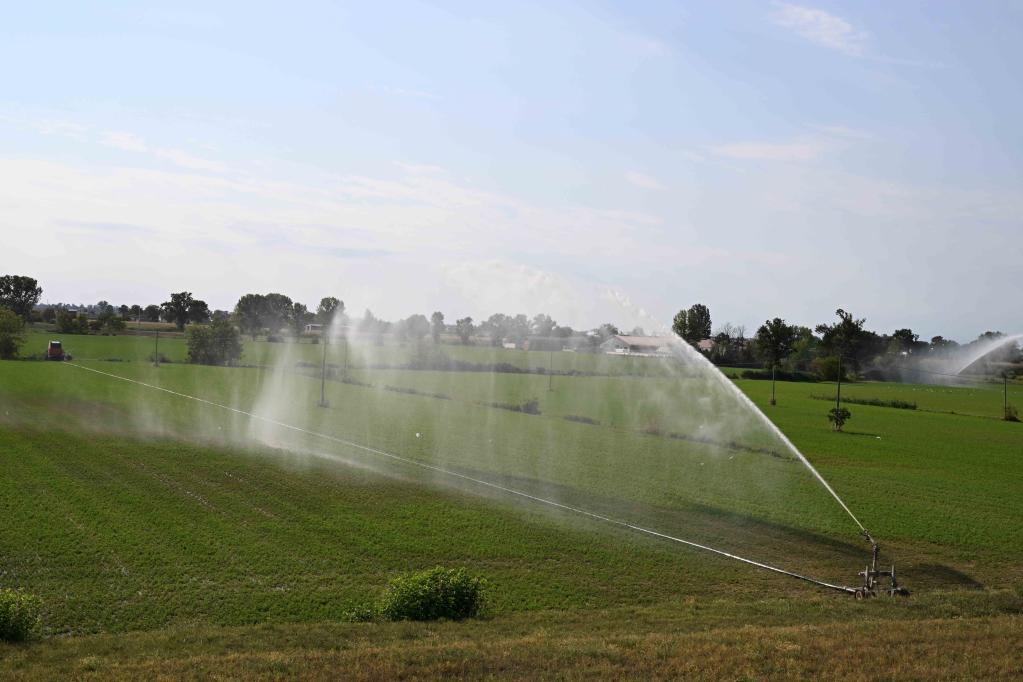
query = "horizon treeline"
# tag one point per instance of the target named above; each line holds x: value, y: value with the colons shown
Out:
x: 826, y: 349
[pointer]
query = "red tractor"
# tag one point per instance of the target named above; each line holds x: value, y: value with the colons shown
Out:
x: 56, y: 352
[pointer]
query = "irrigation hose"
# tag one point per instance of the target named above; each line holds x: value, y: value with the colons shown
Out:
x: 495, y: 486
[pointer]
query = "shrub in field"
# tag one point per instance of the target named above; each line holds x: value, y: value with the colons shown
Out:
x: 1011, y: 413
x: 838, y: 416
x: 216, y: 344
x: 434, y: 594
x: 19, y: 615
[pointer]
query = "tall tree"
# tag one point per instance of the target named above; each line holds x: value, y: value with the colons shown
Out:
x: 496, y: 327
x: 176, y: 309
x: 12, y: 335
x: 249, y: 313
x: 417, y: 327
x: 698, y: 323
x: 518, y: 329
x: 19, y: 294
x: 464, y: 328
x: 329, y: 308
x: 151, y: 313
x: 198, y: 312
x: 843, y: 338
x: 775, y: 342
x: 135, y: 312
x: 680, y: 324
x: 278, y: 312
x: 437, y: 325
x: 300, y: 317
x: 543, y: 325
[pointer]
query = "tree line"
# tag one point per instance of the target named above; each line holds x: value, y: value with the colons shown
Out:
x: 829, y: 349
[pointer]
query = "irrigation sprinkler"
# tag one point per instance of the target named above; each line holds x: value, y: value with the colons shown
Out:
x: 323, y: 376
x: 156, y: 349
x: 873, y: 578
x: 550, y: 370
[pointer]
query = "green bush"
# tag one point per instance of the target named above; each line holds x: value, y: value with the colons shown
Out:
x: 19, y: 614
x: 434, y: 594
x: 838, y: 416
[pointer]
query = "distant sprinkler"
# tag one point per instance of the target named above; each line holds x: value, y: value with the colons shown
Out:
x: 323, y: 376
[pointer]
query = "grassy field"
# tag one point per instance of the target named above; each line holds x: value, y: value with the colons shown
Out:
x: 172, y: 537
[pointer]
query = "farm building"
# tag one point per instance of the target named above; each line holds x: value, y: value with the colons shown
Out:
x: 636, y: 345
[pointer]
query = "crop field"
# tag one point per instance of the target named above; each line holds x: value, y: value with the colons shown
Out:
x: 169, y: 536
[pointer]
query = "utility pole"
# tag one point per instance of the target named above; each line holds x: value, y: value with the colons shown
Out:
x: 838, y: 393
x: 156, y: 350
x: 323, y: 377
x: 1005, y: 395
x: 550, y: 370
x: 773, y: 401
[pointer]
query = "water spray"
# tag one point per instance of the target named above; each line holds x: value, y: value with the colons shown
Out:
x: 872, y: 575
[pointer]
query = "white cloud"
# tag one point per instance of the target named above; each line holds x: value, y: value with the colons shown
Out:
x: 642, y: 180
x: 821, y: 28
x: 126, y: 141
x: 801, y: 150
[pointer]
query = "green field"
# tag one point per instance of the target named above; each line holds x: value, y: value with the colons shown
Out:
x: 173, y: 537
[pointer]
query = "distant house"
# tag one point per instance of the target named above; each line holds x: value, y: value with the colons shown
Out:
x: 705, y: 346
x: 315, y: 329
x: 623, y: 344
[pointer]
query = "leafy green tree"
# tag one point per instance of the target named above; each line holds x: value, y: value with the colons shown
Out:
x: 518, y: 329
x: 278, y: 312
x: 437, y: 325
x: 775, y: 342
x: 135, y: 312
x: 198, y: 312
x: 680, y: 324
x: 151, y: 313
x: 698, y: 323
x: 844, y: 338
x: 218, y: 343
x: 544, y: 325
x: 300, y: 317
x: 496, y: 327
x: 12, y: 328
x: 250, y: 312
x: 464, y: 328
x: 329, y: 308
x: 108, y: 322
x: 176, y: 310
x: 606, y: 331
x: 19, y: 294
x: 417, y: 327
x: 50, y: 314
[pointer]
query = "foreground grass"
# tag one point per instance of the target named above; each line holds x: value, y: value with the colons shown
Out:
x: 642, y: 644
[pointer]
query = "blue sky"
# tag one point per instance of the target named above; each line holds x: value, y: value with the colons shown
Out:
x: 585, y: 159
